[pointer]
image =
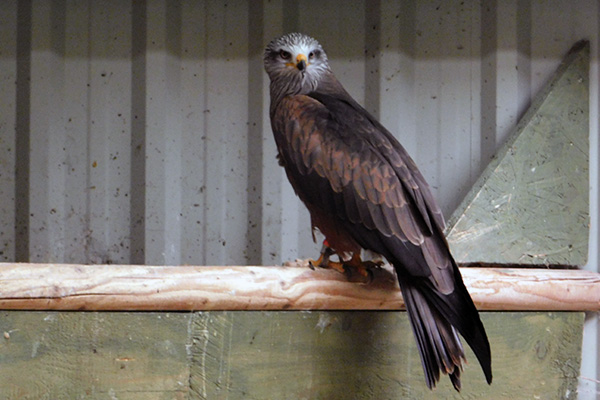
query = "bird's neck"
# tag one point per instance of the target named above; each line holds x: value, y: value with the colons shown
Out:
x: 330, y: 86
x: 281, y: 88
x: 327, y: 84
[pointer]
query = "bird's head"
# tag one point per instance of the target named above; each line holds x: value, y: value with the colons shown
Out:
x: 296, y: 62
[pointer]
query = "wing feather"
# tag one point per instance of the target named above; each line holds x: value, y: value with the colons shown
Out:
x: 379, y: 218
x: 390, y: 216
x: 364, y: 213
x: 350, y: 204
x: 409, y: 227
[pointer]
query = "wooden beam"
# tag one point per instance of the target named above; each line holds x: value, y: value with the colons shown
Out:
x: 294, y: 287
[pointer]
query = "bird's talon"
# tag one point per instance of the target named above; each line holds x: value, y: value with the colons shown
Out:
x: 359, y: 273
x: 338, y: 266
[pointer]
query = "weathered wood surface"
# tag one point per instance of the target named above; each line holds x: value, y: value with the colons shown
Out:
x: 271, y: 355
x: 54, y: 355
x: 531, y: 204
x: 135, y: 287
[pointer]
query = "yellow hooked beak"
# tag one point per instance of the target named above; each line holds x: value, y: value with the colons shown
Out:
x: 301, y: 62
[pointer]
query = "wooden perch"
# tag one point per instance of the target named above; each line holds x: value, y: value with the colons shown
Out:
x: 294, y: 287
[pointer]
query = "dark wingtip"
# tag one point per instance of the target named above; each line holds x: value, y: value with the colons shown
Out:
x: 481, y: 347
x: 488, y: 378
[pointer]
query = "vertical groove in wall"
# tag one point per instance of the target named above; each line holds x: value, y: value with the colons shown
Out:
x: 373, y: 57
x: 138, y: 133
x: 89, y: 151
x: 175, y: 165
x: 50, y: 227
x: 193, y: 138
x: 255, y: 133
x: 204, y: 154
x: 475, y: 51
x: 524, y: 56
x: 291, y: 16
x: 77, y: 147
x: 23, y: 113
x: 488, y: 81
x: 8, y: 137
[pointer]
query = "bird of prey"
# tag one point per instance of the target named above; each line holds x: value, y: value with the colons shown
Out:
x: 363, y: 191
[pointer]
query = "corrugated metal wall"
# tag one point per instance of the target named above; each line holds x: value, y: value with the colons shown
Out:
x: 137, y: 132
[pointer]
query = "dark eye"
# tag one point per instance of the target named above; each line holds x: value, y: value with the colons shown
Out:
x: 314, y: 54
x: 286, y: 55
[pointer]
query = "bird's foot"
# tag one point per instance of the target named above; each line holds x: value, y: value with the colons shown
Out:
x: 355, y: 269
x: 324, y: 259
x: 358, y: 270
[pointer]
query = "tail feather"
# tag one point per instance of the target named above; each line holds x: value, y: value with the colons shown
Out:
x: 439, y: 346
x: 458, y: 309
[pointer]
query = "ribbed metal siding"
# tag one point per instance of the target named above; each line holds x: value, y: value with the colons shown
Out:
x: 138, y: 132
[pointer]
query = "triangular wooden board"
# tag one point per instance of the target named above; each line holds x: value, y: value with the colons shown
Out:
x: 531, y: 204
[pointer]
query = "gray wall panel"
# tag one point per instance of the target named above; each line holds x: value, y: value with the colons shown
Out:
x: 155, y: 114
x: 147, y: 132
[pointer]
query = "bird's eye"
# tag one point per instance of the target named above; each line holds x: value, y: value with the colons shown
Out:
x: 311, y: 55
x: 286, y: 55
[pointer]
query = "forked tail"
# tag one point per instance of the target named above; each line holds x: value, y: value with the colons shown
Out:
x: 435, y: 319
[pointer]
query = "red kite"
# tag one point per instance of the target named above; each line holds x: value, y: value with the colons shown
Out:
x: 363, y: 191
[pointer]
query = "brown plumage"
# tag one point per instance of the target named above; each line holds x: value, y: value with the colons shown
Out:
x: 363, y: 191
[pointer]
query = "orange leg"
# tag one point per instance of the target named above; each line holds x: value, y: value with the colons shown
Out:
x: 354, y: 269
x: 324, y: 262
x: 363, y: 268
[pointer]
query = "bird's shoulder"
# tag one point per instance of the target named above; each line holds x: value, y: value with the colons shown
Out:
x: 331, y: 118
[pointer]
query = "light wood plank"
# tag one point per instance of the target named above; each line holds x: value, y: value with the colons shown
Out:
x: 136, y: 287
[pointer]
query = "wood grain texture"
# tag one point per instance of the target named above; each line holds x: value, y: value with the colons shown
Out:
x: 294, y: 287
x: 271, y: 355
x: 372, y: 355
x: 54, y: 355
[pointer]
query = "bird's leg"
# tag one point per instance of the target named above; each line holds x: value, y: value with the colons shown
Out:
x: 324, y: 262
x: 355, y: 268
x: 362, y: 270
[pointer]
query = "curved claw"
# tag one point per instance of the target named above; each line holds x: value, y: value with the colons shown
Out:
x: 323, y: 261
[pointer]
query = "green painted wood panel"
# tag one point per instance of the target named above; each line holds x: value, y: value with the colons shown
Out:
x: 372, y: 355
x: 271, y: 355
x: 80, y: 355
